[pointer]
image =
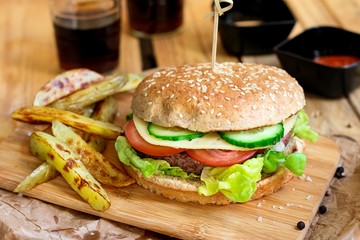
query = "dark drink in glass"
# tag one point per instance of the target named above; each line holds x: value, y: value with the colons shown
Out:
x: 88, y: 37
x: 153, y: 17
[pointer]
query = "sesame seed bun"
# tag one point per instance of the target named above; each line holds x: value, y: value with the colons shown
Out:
x: 232, y: 96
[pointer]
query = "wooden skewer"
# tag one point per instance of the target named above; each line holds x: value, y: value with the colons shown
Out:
x: 218, y: 11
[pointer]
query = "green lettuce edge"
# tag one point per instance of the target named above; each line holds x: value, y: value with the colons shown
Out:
x: 302, y: 129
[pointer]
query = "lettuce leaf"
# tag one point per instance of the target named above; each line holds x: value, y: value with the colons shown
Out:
x: 147, y: 166
x: 295, y: 161
x: 302, y: 128
x: 237, y: 182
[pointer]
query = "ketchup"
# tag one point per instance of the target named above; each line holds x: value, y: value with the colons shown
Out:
x: 336, y: 60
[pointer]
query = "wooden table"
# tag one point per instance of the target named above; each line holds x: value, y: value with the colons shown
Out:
x: 29, y: 59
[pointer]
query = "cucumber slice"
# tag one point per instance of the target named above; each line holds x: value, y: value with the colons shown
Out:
x: 254, y: 138
x: 172, y: 133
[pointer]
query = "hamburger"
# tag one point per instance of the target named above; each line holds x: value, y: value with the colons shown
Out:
x: 216, y: 135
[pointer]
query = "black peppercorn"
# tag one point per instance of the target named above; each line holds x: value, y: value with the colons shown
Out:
x: 339, y: 172
x: 322, y: 209
x: 300, y: 225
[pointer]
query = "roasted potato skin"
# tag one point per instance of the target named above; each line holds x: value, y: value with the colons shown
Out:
x: 34, y: 114
x: 48, y: 148
x: 102, y: 170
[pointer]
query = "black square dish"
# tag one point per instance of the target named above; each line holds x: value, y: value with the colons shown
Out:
x: 255, y: 26
x: 324, y: 60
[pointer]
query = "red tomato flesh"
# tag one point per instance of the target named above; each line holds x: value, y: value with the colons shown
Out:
x: 219, y: 158
x: 137, y: 142
x: 210, y: 157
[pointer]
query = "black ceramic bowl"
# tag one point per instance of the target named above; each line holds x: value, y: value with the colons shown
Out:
x: 298, y: 57
x: 255, y: 26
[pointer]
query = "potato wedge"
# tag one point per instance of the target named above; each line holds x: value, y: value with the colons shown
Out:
x: 100, y: 168
x: 98, y: 92
x: 41, y: 174
x: 133, y: 80
x: 105, y: 111
x: 65, y: 84
x: 35, y: 114
x: 68, y: 163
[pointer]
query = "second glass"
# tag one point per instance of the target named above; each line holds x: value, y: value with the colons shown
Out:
x: 155, y: 17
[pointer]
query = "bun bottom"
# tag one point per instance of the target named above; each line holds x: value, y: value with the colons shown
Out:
x: 186, y: 190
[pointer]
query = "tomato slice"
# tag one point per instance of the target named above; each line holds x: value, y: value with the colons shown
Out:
x: 137, y: 142
x: 219, y: 158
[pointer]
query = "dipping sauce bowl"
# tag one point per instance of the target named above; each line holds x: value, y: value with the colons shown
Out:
x: 324, y: 60
x: 255, y: 27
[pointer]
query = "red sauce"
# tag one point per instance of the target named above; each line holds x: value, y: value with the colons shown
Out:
x: 336, y: 60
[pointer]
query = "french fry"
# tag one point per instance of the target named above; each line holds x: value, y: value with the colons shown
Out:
x: 97, y: 92
x: 133, y: 80
x: 105, y: 111
x: 97, y: 165
x: 35, y: 114
x: 41, y: 174
x: 68, y: 163
x: 65, y: 84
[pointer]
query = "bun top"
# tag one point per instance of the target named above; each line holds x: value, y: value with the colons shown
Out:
x: 232, y: 96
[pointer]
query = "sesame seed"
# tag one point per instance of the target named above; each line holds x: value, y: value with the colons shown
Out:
x: 308, y: 179
x: 203, y: 88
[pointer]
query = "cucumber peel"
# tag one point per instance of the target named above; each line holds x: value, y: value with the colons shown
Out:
x: 255, y: 138
x: 172, y: 133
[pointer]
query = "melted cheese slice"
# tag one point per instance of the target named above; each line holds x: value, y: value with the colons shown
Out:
x: 210, y: 140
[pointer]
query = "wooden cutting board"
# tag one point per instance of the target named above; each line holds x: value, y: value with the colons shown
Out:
x: 275, y: 216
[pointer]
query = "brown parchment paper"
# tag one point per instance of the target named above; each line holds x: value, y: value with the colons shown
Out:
x: 25, y: 218
x: 342, y: 219
x: 30, y: 219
